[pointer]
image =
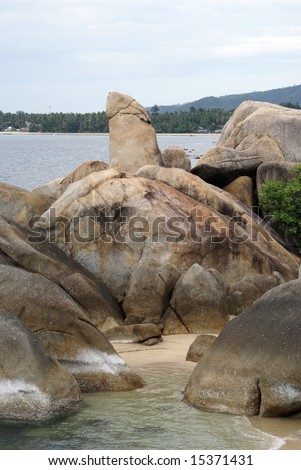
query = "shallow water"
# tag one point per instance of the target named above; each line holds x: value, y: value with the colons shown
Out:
x: 154, y: 417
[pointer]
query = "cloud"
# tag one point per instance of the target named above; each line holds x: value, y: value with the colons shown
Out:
x: 258, y: 46
x: 170, y: 51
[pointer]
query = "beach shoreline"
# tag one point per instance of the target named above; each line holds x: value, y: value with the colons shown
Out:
x: 173, y: 349
x: 190, y: 134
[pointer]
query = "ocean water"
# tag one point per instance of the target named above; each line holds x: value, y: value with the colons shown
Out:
x: 31, y: 160
x: 154, y: 417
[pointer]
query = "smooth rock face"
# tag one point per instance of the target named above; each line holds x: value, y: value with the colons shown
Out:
x: 274, y: 171
x: 199, y: 346
x: 242, y: 188
x: 271, y: 132
x: 242, y: 294
x: 133, y: 141
x: 145, y: 225
x: 175, y: 156
x: 253, y: 367
x: 138, y: 333
x: 34, y: 387
x: 83, y: 170
x: 21, y: 205
x: 27, y: 249
x: 199, y: 300
x: 63, y: 328
x: 221, y: 165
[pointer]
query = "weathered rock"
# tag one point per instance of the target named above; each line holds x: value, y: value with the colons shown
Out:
x: 56, y: 188
x: 175, y: 156
x: 274, y: 171
x: 253, y: 367
x: 269, y: 131
x: 199, y: 300
x: 147, y: 222
x: 173, y: 325
x: 83, y: 170
x: 32, y: 251
x: 21, y: 205
x: 51, y: 190
x: 199, y: 346
x: 133, y: 141
x: 242, y: 294
x: 242, y: 188
x: 63, y: 327
x: 221, y: 165
x: 137, y: 333
x: 149, y: 290
x: 34, y: 387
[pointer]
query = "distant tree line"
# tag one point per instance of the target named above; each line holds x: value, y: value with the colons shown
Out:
x: 194, y: 120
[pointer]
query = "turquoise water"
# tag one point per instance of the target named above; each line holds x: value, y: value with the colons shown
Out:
x: 154, y: 417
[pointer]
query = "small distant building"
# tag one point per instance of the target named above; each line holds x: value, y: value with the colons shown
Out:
x: 201, y: 130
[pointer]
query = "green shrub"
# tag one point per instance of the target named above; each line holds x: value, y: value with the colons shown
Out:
x: 283, y: 202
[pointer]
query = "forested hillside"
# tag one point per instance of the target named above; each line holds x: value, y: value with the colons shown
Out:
x: 290, y: 94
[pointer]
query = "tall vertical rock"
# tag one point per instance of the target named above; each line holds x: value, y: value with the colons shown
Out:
x: 133, y: 141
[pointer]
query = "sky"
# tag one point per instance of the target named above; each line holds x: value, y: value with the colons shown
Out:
x: 67, y: 55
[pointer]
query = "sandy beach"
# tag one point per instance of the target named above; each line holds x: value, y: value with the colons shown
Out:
x: 173, y: 349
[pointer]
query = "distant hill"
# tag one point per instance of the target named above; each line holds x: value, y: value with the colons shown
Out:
x: 290, y: 94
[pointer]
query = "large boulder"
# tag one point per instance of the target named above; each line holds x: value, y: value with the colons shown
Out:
x: 274, y: 171
x: 144, y: 228
x: 243, y: 293
x: 199, y: 346
x: 243, y: 189
x: 34, y: 387
x: 253, y: 367
x: 81, y: 172
x: 133, y: 141
x: 175, y: 157
x: 63, y: 327
x: 31, y: 250
x: 199, y: 300
x: 21, y: 205
x: 221, y: 165
x: 267, y: 130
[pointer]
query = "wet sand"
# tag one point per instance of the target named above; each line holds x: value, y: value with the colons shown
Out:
x: 173, y: 349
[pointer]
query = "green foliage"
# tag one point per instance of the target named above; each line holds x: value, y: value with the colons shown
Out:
x: 283, y: 202
x: 177, y: 122
x: 291, y: 105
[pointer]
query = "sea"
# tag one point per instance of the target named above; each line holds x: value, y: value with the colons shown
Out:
x: 154, y: 417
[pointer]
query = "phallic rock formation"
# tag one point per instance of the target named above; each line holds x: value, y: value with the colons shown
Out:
x: 34, y: 388
x: 133, y: 141
x: 253, y: 367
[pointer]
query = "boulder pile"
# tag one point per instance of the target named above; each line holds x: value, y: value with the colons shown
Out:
x: 142, y: 248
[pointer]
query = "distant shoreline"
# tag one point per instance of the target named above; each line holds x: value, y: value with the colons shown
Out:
x: 190, y: 134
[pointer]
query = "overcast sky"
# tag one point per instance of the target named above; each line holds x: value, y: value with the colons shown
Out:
x: 68, y: 54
